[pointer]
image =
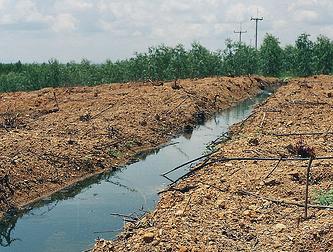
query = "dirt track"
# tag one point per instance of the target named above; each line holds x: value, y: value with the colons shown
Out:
x: 233, y: 205
x: 54, y: 137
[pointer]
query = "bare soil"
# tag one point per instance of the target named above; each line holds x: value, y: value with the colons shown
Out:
x: 52, y: 138
x: 243, y: 205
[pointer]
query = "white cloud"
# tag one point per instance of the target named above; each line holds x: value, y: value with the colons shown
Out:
x: 133, y: 25
x: 241, y: 12
x: 106, y: 26
x: 221, y: 28
x: 64, y: 23
x: 24, y: 11
x: 73, y: 5
x: 189, y: 32
x: 280, y: 24
x: 3, y: 3
x: 327, y: 30
x: 306, y: 16
x: 301, y: 4
x: 176, y: 6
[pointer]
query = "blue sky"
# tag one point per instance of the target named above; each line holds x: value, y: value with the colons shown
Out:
x: 37, y: 30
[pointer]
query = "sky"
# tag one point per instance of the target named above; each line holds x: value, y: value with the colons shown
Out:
x: 38, y: 30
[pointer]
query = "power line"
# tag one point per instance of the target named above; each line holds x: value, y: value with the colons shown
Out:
x: 240, y: 32
x: 257, y: 19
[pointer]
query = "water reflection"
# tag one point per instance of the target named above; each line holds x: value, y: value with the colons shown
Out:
x: 6, y: 228
x: 69, y: 220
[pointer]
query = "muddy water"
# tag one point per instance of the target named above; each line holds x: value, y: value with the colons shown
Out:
x: 72, y: 219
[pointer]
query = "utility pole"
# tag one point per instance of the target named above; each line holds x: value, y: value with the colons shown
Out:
x: 257, y: 19
x: 240, y: 33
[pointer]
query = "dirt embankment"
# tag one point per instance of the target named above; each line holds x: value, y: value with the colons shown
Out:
x: 249, y: 205
x: 52, y: 138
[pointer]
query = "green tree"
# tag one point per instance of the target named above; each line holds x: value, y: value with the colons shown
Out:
x: 228, y: 58
x: 239, y: 59
x: 270, y: 56
x: 289, y: 60
x: 304, y: 55
x: 323, y: 55
x: 200, y: 58
x: 53, y: 73
x: 179, y: 66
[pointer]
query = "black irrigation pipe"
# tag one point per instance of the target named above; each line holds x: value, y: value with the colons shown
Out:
x: 187, y: 163
x: 214, y: 142
x: 226, y: 159
x: 204, y: 164
x: 302, y: 134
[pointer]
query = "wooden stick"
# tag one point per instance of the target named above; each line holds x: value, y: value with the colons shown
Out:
x: 272, y: 110
x: 181, y: 103
x: 224, y: 134
x: 187, y: 204
x: 170, y: 186
x: 219, y: 138
x: 204, y: 164
x: 107, y: 231
x: 246, y: 119
x: 302, y: 134
x: 213, y: 186
x: 269, y: 174
x: 284, y: 202
x: 87, y: 250
x: 124, y: 215
x: 189, y: 162
x: 302, y: 102
x: 130, y: 220
x: 235, y: 171
x: 166, y: 145
x: 101, y: 112
x: 56, y: 100
x: 253, y: 151
x: 263, y: 120
x: 307, y: 189
x: 327, y: 132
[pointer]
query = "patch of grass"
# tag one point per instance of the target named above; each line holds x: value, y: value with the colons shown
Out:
x: 323, y: 197
x: 210, y: 148
x: 130, y: 144
x: 114, y: 153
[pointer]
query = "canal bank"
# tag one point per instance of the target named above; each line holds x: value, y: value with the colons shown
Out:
x: 244, y: 200
x: 53, y: 138
x: 70, y: 220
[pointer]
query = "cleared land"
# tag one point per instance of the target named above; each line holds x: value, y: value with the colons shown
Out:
x: 252, y: 205
x: 52, y: 138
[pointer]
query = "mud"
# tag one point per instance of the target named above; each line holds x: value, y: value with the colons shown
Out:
x: 52, y: 138
x: 252, y: 205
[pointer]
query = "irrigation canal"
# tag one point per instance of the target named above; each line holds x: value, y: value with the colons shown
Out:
x: 72, y: 219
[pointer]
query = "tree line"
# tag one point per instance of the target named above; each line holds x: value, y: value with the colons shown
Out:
x: 304, y: 58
